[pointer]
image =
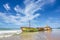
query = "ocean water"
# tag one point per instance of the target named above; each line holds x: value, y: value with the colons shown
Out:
x: 9, y: 28
x: 47, y: 35
x: 8, y: 33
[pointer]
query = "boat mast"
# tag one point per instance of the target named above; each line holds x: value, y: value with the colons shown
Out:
x: 29, y: 22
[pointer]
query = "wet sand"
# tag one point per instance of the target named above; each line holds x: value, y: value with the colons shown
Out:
x: 54, y: 35
x: 26, y: 36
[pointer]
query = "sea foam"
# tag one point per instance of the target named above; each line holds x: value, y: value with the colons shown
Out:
x: 8, y: 33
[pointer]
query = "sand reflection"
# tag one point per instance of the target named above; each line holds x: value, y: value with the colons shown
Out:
x: 47, y: 35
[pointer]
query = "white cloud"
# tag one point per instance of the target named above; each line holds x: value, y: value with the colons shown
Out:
x: 52, y: 1
x: 17, y: 20
x: 18, y: 9
x: 6, y: 6
x: 53, y: 22
x: 31, y: 6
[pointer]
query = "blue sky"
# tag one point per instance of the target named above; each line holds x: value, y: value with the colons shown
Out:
x: 17, y: 13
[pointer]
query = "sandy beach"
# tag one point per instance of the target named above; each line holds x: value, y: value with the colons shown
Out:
x: 54, y: 35
x: 26, y: 36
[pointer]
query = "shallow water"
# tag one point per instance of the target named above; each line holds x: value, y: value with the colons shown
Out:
x: 8, y: 33
x: 47, y: 35
x: 54, y: 35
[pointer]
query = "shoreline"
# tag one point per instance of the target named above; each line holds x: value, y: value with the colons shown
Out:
x: 12, y: 33
x: 53, y: 35
x: 9, y: 33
